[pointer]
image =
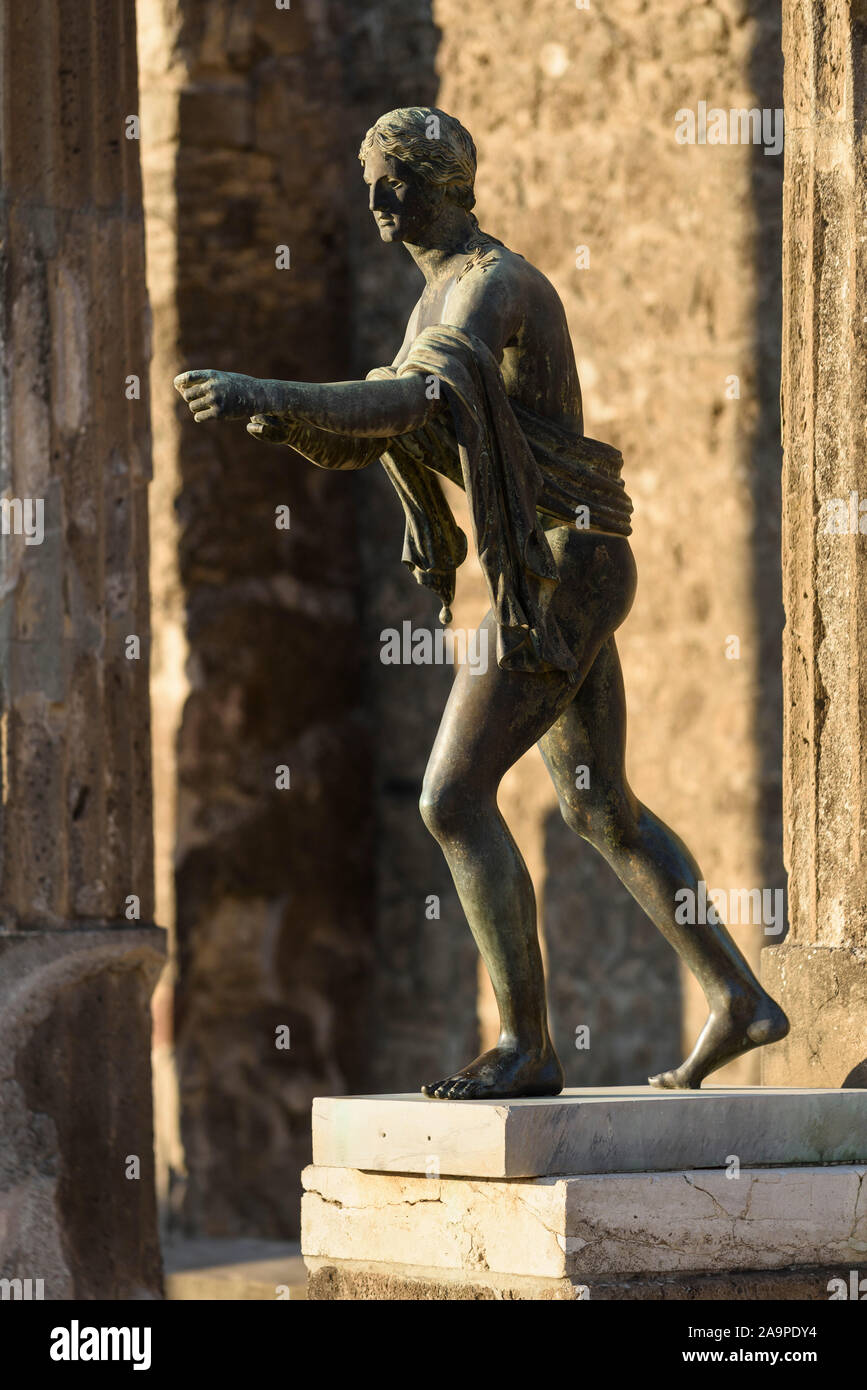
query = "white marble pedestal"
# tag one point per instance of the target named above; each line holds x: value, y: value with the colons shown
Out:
x: 613, y: 1193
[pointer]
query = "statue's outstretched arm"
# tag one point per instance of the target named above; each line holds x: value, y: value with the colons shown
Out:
x: 380, y: 408
x: 486, y: 304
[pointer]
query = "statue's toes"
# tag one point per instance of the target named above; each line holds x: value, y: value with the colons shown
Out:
x: 436, y: 1089
x: 666, y: 1081
x: 465, y: 1089
x: 455, y: 1086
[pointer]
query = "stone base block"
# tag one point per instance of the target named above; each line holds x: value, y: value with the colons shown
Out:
x: 591, y: 1227
x: 823, y: 989
x: 612, y: 1129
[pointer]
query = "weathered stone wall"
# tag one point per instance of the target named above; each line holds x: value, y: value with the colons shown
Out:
x: 308, y: 906
x: 78, y: 951
x: 821, y: 970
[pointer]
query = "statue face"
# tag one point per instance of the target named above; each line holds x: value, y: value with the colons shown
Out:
x: 403, y: 205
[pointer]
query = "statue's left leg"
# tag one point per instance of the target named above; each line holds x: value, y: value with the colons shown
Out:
x: 656, y: 866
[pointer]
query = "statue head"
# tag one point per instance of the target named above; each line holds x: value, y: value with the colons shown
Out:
x: 418, y: 162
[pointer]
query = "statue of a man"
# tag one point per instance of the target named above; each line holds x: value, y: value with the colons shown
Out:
x: 485, y: 391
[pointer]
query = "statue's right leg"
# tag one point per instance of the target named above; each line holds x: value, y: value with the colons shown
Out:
x: 654, y: 864
x: 490, y: 720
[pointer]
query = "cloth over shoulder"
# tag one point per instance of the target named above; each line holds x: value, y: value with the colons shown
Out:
x: 513, y: 465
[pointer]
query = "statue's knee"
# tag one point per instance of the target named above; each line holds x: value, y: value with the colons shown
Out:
x: 599, y: 815
x: 427, y: 805
x: 576, y: 817
x: 444, y: 809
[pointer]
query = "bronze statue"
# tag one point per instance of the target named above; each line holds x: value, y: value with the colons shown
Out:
x: 485, y: 391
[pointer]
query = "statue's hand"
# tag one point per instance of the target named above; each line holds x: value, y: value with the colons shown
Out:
x: 270, y: 428
x: 213, y: 395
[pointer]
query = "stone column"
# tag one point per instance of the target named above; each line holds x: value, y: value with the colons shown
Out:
x: 78, y: 952
x: 819, y: 972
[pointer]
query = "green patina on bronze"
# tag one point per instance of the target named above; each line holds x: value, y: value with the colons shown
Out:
x: 484, y: 391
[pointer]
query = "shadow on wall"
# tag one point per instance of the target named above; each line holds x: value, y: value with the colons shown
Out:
x: 424, y: 971
x: 304, y: 960
x: 765, y: 453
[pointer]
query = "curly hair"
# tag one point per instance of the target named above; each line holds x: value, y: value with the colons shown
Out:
x: 446, y: 158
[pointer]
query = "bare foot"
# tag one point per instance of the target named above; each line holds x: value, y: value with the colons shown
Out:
x: 751, y: 1021
x: 506, y: 1072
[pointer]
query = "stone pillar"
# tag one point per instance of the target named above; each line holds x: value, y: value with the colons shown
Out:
x: 819, y: 974
x: 79, y: 952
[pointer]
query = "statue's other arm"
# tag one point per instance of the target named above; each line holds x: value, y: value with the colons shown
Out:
x: 343, y: 452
